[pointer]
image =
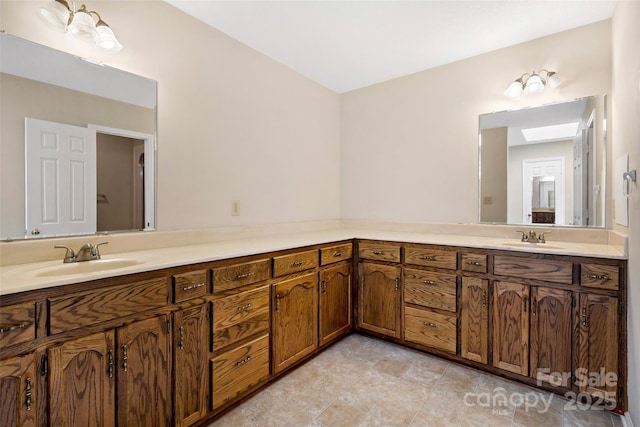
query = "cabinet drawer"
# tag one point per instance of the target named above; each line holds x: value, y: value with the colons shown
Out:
x: 100, y: 305
x: 287, y: 264
x: 333, y: 254
x: 474, y: 262
x: 600, y: 276
x: 238, y: 316
x: 234, y: 276
x: 531, y: 268
x: 429, y: 289
x: 379, y: 252
x: 239, y: 370
x: 431, y: 257
x: 17, y: 324
x: 190, y: 285
x: 431, y: 329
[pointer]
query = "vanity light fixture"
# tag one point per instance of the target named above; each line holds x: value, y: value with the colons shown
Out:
x: 84, y: 24
x: 532, y: 83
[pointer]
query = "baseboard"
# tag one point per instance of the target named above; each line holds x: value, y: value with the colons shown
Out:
x: 626, y: 420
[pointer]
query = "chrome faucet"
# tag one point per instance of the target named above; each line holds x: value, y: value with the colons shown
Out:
x: 87, y: 252
x: 531, y: 237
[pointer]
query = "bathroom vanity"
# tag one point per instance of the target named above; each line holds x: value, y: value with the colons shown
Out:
x: 172, y: 342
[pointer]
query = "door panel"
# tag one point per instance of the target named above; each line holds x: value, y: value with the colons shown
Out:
x: 380, y: 297
x: 511, y: 327
x: 60, y: 178
x: 474, y: 319
x: 335, y: 302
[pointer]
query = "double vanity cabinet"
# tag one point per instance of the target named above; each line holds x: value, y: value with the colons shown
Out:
x: 551, y: 321
x: 178, y: 346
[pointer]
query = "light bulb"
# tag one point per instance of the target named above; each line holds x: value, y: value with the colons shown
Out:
x: 107, y: 39
x: 514, y: 90
x: 534, y: 84
x: 553, y: 80
x: 56, y: 15
x: 83, y: 26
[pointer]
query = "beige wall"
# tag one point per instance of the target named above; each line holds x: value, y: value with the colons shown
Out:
x: 494, y: 175
x: 232, y: 123
x: 20, y: 98
x: 538, y: 151
x: 626, y: 139
x: 410, y: 145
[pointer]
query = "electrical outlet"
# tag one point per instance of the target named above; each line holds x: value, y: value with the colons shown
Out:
x: 487, y: 200
x: 235, y: 208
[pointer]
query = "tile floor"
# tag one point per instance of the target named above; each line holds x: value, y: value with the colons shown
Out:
x: 361, y: 381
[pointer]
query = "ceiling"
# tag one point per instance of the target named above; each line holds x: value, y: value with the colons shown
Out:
x: 346, y: 45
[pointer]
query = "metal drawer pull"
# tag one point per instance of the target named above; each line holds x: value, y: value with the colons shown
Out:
x: 124, y: 358
x: 337, y: 254
x: 193, y: 286
x: 244, y: 275
x: 429, y: 282
x: 297, y: 263
x: 28, y: 394
x: 433, y: 325
x: 245, y: 307
x: 428, y: 257
x: 476, y: 263
x: 378, y: 252
x: 13, y: 328
x: 243, y: 361
x: 599, y: 276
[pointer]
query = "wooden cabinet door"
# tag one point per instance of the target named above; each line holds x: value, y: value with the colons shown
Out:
x: 81, y: 382
x: 190, y: 350
x: 597, y: 346
x: 18, y: 388
x: 474, y: 319
x: 379, y: 299
x: 295, y: 320
x: 551, y: 326
x: 335, y: 302
x: 142, y: 373
x: 511, y: 327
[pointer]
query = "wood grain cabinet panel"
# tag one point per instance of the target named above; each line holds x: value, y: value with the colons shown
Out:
x: 380, y: 299
x: 237, y: 371
x: 334, y: 302
x: 18, y: 388
x: 551, y: 326
x: 511, y: 327
x: 246, y: 273
x: 193, y: 284
x: 431, y: 329
x: 379, y: 252
x: 474, y: 319
x: 299, y: 261
x: 549, y: 270
x: 430, y: 289
x: 239, y: 316
x: 142, y: 373
x: 600, y: 276
x: 91, y: 307
x: 430, y: 257
x: 17, y: 324
x: 295, y: 320
x: 82, y: 382
x: 333, y: 254
x: 597, y: 346
x: 190, y: 353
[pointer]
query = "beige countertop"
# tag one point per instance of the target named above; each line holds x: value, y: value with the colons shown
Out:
x: 45, y: 274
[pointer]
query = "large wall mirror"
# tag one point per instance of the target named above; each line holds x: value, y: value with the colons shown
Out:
x: 78, y: 144
x: 544, y: 165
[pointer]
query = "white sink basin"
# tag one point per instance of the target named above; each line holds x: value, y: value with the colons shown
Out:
x: 88, y: 267
x: 530, y: 245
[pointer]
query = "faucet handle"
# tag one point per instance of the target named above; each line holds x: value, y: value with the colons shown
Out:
x: 525, y: 236
x: 70, y: 255
x: 95, y: 252
x: 541, y: 237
